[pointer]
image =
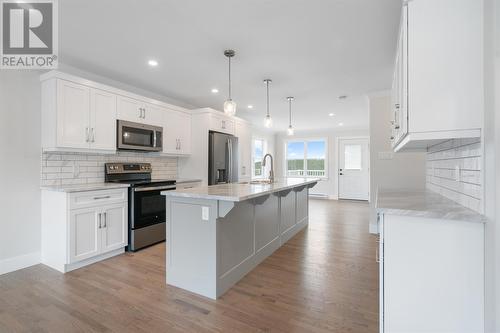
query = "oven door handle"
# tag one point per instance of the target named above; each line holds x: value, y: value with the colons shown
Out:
x: 154, y: 188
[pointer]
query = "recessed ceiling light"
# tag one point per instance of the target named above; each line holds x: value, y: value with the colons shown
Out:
x: 341, y: 124
x: 342, y: 96
x: 153, y: 63
x: 331, y: 114
x: 250, y: 106
x: 215, y: 90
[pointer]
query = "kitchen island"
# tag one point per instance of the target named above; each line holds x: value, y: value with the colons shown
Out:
x: 217, y: 234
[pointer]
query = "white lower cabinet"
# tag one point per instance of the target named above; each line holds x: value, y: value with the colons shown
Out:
x: 431, y: 275
x: 76, y: 234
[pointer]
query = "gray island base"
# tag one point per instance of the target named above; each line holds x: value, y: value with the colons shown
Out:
x: 217, y: 234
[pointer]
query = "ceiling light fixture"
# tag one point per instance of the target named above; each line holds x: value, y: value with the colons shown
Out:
x: 341, y: 124
x: 290, y: 129
x: 331, y: 114
x: 153, y: 63
x: 250, y: 106
x: 342, y: 96
x: 215, y: 90
x: 229, y: 104
x: 268, y: 121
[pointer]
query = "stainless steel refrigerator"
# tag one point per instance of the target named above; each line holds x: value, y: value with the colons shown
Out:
x: 222, y: 158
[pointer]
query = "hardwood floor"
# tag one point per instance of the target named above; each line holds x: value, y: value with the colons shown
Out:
x: 324, y: 279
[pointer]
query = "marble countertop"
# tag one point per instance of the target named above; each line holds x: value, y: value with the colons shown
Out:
x: 240, y: 191
x: 84, y: 187
x: 424, y: 203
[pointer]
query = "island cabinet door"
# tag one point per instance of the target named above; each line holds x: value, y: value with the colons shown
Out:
x: 288, y: 213
x: 85, y: 235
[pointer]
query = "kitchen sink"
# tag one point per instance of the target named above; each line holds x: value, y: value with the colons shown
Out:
x: 254, y: 182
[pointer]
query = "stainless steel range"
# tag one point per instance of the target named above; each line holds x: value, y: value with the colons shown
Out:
x: 146, y: 206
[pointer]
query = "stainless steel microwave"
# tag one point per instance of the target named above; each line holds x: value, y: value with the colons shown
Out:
x: 135, y: 136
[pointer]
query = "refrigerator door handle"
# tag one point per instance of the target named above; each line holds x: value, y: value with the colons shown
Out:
x: 230, y: 166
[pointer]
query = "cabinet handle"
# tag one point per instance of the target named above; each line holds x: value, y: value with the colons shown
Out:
x: 396, y: 127
x: 105, y: 220
x: 103, y: 197
x: 92, y: 134
x: 99, y: 217
x: 179, y: 144
x: 392, y: 137
x: 144, y: 112
x: 140, y: 112
x: 86, y: 134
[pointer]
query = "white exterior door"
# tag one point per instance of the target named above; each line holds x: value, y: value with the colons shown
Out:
x: 85, y: 234
x: 354, y: 169
x: 102, y: 120
x: 73, y: 108
x: 114, y: 227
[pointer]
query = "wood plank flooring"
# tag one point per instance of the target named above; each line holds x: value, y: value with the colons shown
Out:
x: 325, y: 279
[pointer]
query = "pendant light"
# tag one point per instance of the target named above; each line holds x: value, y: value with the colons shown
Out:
x: 290, y: 130
x: 268, y: 122
x: 229, y: 104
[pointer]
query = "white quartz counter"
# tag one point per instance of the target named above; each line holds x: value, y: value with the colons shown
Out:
x: 424, y: 203
x: 240, y: 191
x: 84, y: 187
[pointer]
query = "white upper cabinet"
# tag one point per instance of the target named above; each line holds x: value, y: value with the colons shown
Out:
x: 73, y: 122
x: 438, y: 80
x: 221, y: 123
x: 176, y: 133
x: 130, y: 109
x: 102, y: 120
x: 80, y: 115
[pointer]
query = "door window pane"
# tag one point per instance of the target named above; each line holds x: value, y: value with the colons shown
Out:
x: 352, y: 157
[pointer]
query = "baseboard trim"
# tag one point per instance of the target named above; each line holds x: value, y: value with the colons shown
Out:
x: 15, y: 263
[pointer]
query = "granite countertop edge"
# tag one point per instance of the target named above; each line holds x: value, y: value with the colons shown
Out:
x: 425, y: 204
x: 265, y: 190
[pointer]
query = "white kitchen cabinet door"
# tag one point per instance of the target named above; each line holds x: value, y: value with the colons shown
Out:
x: 222, y: 124
x: 102, y: 120
x: 245, y: 149
x: 114, y: 227
x: 130, y: 109
x: 85, y: 234
x: 445, y: 55
x: 153, y: 114
x: 176, y: 133
x: 73, y: 120
x: 184, y: 123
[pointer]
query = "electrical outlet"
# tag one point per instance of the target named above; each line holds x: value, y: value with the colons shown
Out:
x: 205, y: 216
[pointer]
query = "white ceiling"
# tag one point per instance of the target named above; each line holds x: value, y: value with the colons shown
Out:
x: 313, y: 50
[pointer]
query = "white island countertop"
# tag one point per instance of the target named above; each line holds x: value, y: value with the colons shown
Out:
x: 240, y: 191
x: 424, y: 203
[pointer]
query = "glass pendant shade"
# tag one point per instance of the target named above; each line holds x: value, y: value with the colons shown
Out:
x: 290, y: 130
x: 230, y: 107
x: 268, y: 121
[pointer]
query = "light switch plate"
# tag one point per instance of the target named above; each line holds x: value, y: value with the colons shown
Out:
x: 205, y: 213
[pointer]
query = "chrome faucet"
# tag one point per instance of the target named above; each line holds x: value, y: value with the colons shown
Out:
x: 271, y: 173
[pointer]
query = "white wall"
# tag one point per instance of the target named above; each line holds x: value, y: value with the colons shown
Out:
x: 491, y: 136
x: 404, y: 170
x: 329, y: 186
x: 20, y: 169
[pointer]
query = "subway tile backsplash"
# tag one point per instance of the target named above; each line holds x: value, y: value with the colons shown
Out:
x: 61, y: 168
x: 454, y: 170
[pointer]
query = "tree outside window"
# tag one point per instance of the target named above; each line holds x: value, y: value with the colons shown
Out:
x: 258, y: 151
x: 306, y: 158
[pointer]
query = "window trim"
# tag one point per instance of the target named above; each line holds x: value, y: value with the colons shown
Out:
x: 264, y: 152
x: 305, y: 141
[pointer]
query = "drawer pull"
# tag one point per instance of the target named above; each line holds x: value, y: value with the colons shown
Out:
x: 103, y: 197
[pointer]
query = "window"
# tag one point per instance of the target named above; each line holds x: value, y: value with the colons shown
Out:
x: 258, y: 152
x: 352, y: 157
x: 306, y: 158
